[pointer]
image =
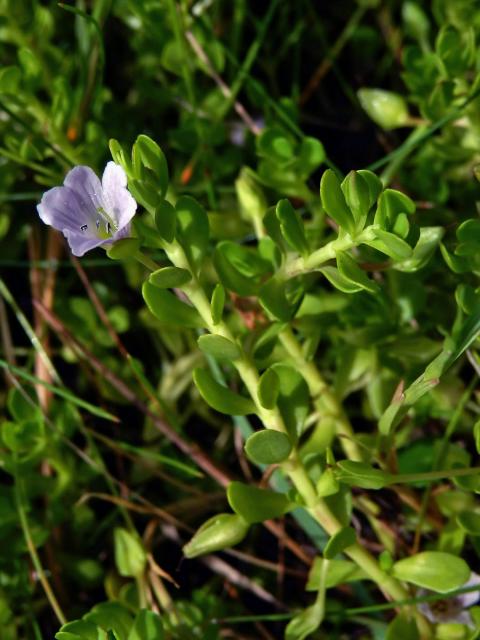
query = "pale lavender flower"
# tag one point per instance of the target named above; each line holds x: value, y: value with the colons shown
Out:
x: 88, y: 212
x: 452, y: 609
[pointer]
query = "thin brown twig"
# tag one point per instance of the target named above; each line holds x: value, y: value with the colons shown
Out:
x: 222, y: 85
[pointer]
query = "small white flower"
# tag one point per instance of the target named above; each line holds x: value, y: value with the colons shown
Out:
x: 452, y: 609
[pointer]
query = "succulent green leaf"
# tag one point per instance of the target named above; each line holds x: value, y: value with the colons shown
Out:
x: 434, y: 570
x: 348, y: 268
x: 219, y: 397
x: 165, y: 220
x: 268, y: 389
x: 339, y: 281
x: 268, y: 447
x: 339, y: 572
x: 340, y: 541
x: 292, y: 227
x: 357, y: 195
x: 403, y: 627
x: 303, y: 624
x: 219, y: 347
x: 217, y: 303
x: 275, y: 145
x: 231, y: 277
x: 274, y: 300
x: 222, y: 531
x: 123, y: 249
x: 392, y: 203
x: 147, y: 626
x: 391, y: 245
x: 469, y: 521
x: 78, y: 630
x: 193, y: 230
x: 360, y: 474
x: 167, y: 308
x: 152, y: 157
x: 169, y: 277
x: 334, y: 202
x: 130, y: 555
x: 256, y: 505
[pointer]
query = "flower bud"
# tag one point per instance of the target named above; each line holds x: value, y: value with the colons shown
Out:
x: 387, y: 109
x: 220, y: 532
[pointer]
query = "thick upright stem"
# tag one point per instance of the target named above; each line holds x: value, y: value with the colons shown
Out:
x: 323, y: 397
x: 272, y: 419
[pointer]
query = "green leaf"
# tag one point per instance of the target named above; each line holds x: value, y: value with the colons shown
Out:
x: 192, y: 229
x: 292, y: 227
x: 147, y: 626
x: 222, y: 531
x: 339, y: 281
x: 217, y: 304
x: 219, y: 397
x: 78, y: 630
x: 130, y: 555
x: 268, y: 447
x: 358, y: 197
x: 476, y: 435
x: 111, y: 616
x: 348, y: 268
x: 123, y: 249
x: 167, y: 308
x: 403, y: 627
x: 392, y: 203
x: 152, y: 157
x: 386, y: 108
x: 10, y: 78
x: 305, y: 623
x: 219, y: 347
x: 374, y: 183
x: 327, y: 484
x: 469, y: 521
x: 293, y: 399
x: 275, y: 145
x: 340, y: 541
x: 274, y: 300
x: 230, y: 275
x: 333, y: 201
x: 427, y: 243
x: 310, y: 156
x: 338, y: 572
x: 169, y: 277
x: 360, y: 474
x: 391, y: 245
x: 256, y: 505
x: 434, y: 570
x: 268, y: 389
x: 165, y: 220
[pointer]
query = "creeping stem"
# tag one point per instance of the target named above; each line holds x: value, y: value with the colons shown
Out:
x: 272, y: 419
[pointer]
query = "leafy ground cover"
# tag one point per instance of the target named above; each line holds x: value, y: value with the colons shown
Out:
x: 241, y: 393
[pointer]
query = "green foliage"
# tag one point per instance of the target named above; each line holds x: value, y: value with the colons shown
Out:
x: 278, y: 325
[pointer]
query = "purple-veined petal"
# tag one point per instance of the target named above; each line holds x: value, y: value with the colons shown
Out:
x: 63, y: 208
x: 86, y: 184
x: 118, y: 201
x: 470, y: 598
x: 80, y: 244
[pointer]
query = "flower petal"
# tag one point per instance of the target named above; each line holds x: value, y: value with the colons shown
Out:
x: 63, y: 208
x: 86, y: 184
x: 118, y: 201
x: 470, y: 598
x: 81, y: 244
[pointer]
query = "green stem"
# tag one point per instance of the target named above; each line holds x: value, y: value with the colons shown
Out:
x: 325, y: 401
x: 272, y: 419
x: 22, y: 514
